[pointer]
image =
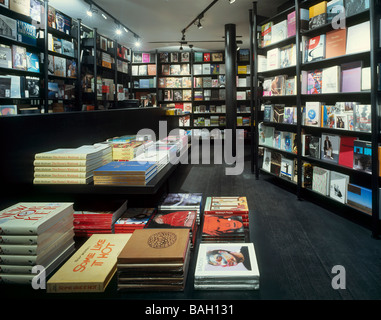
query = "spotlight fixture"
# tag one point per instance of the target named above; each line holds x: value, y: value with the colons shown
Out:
x: 118, y: 30
x: 231, y: 1
x: 90, y: 11
x: 125, y: 29
x: 199, y: 25
x: 137, y: 42
x: 104, y: 16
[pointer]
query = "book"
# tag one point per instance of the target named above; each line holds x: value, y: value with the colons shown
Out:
x: 362, y: 155
x: 26, y: 33
x: 353, y: 7
x: 32, y: 217
x: 287, y: 56
x: 335, y: 43
x: 32, y: 62
x: 266, y: 164
x: 18, y: 57
x: 358, y: 38
x: 227, y: 266
x: 334, y: 9
x: 331, y: 79
x: 351, y: 76
x: 59, y: 66
x: 20, y: 6
x: 91, y: 267
x: 362, y: 117
x: 291, y: 24
x: 8, y: 27
x: 321, y: 180
x: 316, y: 48
x: 314, y: 81
x: 226, y: 205
x: 318, y: 15
x: 220, y: 228
x: 6, y: 57
x: 287, y: 168
x: 132, y: 219
x: 313, y: 117
x: 266, y: 34
x: 273, y: 59
x: 330, y: 146
x: 268, y: 113
x: 279, y: 31
x: 360, y: 198
x: 155, y: 245
x: 339, y: 186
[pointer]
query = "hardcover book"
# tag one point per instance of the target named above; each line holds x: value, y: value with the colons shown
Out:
x: 226, y: 205
x: 279, y: 31
x: 360, y: 198
x: 155, y: 245
x: 362, y: 156
x: 318, y: 15
x: 331, y: 79
x: 8, y: 27
x: 320, y: 180
x: 358, y: 38
x: 266, y: 34
x: 353, y: 7
x: 362, y: 117
x: 316, y: 48
x: 336, y: 43
x: 26, y: 33
x: 330, y: 146
x: 334, y: 8
x: 339, y: 186
x: 91, y: 267
x: 314, y: 82
x: 19, y: 57
x: 287, y: 168
x: 32, y: 62
x: 313, y: 113
x: 266, y: 164
x: 20, y: 6
x: 5, y: 57
x: 32, y: 217
x: 351, y: 76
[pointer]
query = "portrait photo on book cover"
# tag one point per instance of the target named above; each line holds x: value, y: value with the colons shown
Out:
x: 234, y: 259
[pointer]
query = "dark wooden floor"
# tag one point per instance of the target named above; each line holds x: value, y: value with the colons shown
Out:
x: 297, y: 242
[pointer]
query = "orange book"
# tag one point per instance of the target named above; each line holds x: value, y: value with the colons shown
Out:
x: 335, y: 43
x: 318, y: 9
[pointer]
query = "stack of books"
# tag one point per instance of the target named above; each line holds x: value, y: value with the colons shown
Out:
x: 99, y: 217
x: 160, y: 157
x: 222, y: 228
x: 125, y: 173
x: 92, y: 266
x: 132, y: 219
x: 70, y: 165
x: 226, y: 266
x: 34, y: 233
x: 182, y: 201
x: 126, y: 151
x: 154, y: 259
x: 228, y: 206
x: 169, y: 219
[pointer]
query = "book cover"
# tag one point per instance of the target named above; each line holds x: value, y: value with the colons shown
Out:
x: 273, y: 59
x: 331, y: 79
x: 287, y: 56
x: 362, y: 117
x: 206, y: 57
x: 67, y: 48
x: 35, y: 10
x: 26, y: 33
x: 20, y: 6
x: 19, y: 57
x: 334, y: 8
x: 291, y: 24
x: 336, y: 43
x: 71, y: 68
x: 320, y: 180
x: 351, y: 76
x: 168, y: 219
x: 313, y: 117
x: 318, y: 15
x: 266, y: 164
x: 266, y: 34
x: 226, y: 205
x: 155, y: 245
x: 32, y: 62
x: 32, y: 86
x: 279, y: 31
x: 277, y: 141
x: 91, y: 267
x: 287, y: 168
x: 362, y: 156
x: 338, y: 186
x: 353, y: 7
x: 316, y: 48
x: 276, y: 160
x: 51, y: 17
x: 8, y: 27
x: 286, y: 141
x: 360, y: 198
x: 330, y: 146
x: 358, y: 38
x: 6, y: 110
x: 198, y: 56
x: 59, y: 66
x: 5, y: 57
x: 314, y: 82
x: 32, y: 217
x: 128, y: 167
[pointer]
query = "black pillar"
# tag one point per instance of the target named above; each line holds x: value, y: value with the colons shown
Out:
x: 231, y: 85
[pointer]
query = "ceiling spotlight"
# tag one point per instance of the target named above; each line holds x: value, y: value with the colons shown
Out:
x: 183, y: 38
x: 199, y: 24
x: 231, y: 1
x: 125, y: 29
x: 137, y: 42
x: 104, y: 16
x: 181, y: 47
x: 89, y: 12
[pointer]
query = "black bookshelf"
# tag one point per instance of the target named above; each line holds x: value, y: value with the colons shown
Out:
x: 371, y: 97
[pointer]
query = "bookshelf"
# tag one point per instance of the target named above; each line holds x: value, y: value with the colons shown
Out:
x: 20, y: 69
x: 333, y: 98
x: 144, y: 80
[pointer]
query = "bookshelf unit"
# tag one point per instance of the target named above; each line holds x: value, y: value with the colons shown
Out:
x: 327, y: 105
x: 21, y: 80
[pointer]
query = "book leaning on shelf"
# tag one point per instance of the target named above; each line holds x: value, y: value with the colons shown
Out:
x: 34, y: 233
x: 92, y: 267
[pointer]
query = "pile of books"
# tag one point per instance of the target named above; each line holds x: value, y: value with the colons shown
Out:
x: 154, y: 259
x: 228, y: 206
x: 133, y: 219
x: 223, y: 228
x: 91, y: 267
x: 160, y: 157
x: 70, y: 165
x: 226, y: 266
x: 127, y: 147
x: 125, y: 173
x: 99, y: 217
x: 170, y: 219
x: 182, y: 201
x: 34, y: 233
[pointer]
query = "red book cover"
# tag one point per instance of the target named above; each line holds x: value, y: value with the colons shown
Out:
x: 206, y: 57
x: 336, y: 43
x: 346, y: 151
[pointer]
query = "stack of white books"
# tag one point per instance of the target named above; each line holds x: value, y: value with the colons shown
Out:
x: 34, y: 234
x: 70, y: 165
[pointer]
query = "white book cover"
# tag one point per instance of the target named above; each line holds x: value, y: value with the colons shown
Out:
x: 32, y: 217
x: 287, y: 168
x: 273, y: 59
x: 339, y: 186
x: 266, y: 164
x: 279, y: 31
x: 226, y: 261
x: 358, y: 38
x: 313, y: 110
x: 262, y: 63
x: 320, y: 180
x: 365, y: 79
x: 331, y: 79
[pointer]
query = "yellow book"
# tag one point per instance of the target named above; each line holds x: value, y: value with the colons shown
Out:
x: 242, y: 69
x: 91, y: 267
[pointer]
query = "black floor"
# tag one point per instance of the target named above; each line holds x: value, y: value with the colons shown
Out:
x: 297, y: 242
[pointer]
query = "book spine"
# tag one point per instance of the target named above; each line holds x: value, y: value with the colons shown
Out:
x: 61, y: 169
x: 18, y: 260
x: 226, y: 212
x: 17, y: 239
x: 5, y: 269
x: 61, y: 163
x: 60, y: 181
x: 65, y: 175
x: 73, y: 287
x: 18, y: 250
x: 49, y: 156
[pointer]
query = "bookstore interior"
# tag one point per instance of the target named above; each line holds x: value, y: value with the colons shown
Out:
x: 104, y: 196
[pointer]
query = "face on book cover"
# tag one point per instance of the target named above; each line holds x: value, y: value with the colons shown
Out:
x: 224, y: 258
x: 214, y: 225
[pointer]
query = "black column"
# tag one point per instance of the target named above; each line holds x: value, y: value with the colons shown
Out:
x: 231, y: 85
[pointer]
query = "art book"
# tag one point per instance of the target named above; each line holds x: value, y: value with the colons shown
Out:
x: 226, y: 205
x: 339, y: 186
x: 313, y: 109
x: 316, y: 48
x: 320, y: 180
x: 19, y: 57
x: 32, y: 217
x: 314, y: 82
x: 330, y: 146
x: 91, y: 267
x: 26, y: 33
x: 362, y: 156
x: 360, y: 198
